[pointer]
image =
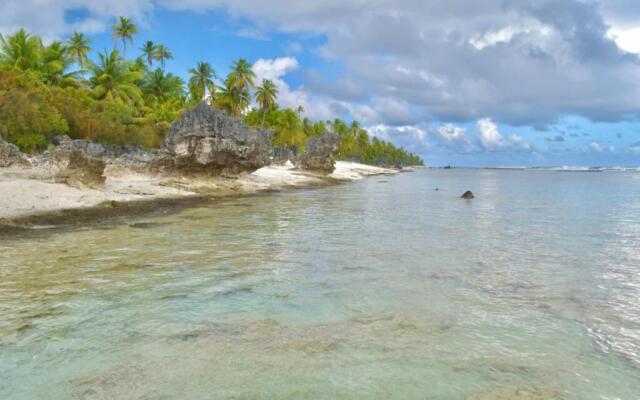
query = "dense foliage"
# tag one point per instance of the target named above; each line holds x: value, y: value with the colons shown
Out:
x: 48, y: 90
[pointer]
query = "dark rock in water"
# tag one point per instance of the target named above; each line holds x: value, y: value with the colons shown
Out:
x: 318, y: 153
x: 437, y: 189
x: 11, y: 156
x: 467, y: 195
x: 209, y: 140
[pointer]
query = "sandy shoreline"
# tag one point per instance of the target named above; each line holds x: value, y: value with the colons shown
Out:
x: 30, y: 195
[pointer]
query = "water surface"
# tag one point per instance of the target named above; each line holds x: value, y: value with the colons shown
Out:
x: 382, y: 288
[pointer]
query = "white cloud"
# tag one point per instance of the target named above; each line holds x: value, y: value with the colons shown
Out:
x: 48, y: 17
x: 595, y: 147
x: 451, y: 133
x: 628, y: 39
x: 507, y: 33
x: 275, y: 70
x: 454, y: 137
x: 489, y: 136
x: 412, y: 138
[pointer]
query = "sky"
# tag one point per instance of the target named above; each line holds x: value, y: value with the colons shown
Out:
x: 460, y: 82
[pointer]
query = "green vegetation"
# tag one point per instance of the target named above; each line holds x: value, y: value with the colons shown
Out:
x: 48, y: 90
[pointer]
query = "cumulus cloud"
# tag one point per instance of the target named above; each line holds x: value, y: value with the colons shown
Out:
x: 412, y: 138
x: 627, y: 39
x: 50, y: 17
x: 539, y: 59
x: 490, y: 137
x: 454, y: 137
x: 595, y: 147
x: 486, y: 138
x: 275, y: 70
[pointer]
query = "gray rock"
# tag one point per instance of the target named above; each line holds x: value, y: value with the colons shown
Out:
x: 209, y: 140
x: 98, y: 150
x: 82, y: 171
x: 11, y: 156
x: 71, y: 164
x: 132, y: 158
x: 467, y: 195
x: 282, y: 154
x: 318, y: 153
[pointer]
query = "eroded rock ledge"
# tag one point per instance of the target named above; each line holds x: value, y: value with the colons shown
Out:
x: 209, y: 140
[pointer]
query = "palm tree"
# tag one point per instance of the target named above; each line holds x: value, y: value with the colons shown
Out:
x: 233, y: 99
x: 21, y: 50
x: 289, y: 129
x: 78, y: 47
x: 355, y: 128
x: 299, y: 110
x: 161, y: 85
x: 112, y: 79
x: 54, y: 64
x: 139, y: 65
x: 124, y: 30
x: 163, y: 54
x: 242, y: 75
x: 266, y: 96
x: 202, y: 81
x: 149, y: 50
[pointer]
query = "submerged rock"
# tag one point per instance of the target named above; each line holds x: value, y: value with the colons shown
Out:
x: 11, y: 156
x: 209, y: 140
x: 318, y: 153
x: 467, y: 195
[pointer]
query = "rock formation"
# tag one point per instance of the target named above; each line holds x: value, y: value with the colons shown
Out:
x: 72, y: 165
x: 209, y: 140
x: 11, y: 156
x: 318, y: 153
x: 82, y: 171
x: 282, y: 154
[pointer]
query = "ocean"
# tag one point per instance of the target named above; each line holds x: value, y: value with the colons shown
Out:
x: 391, y: 287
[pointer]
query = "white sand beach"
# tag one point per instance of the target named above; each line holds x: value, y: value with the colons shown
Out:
x: 31, y: 191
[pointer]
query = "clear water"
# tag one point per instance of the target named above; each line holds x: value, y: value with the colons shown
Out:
x: 378, y: 289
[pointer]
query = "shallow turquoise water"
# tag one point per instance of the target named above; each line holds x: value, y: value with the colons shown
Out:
x: 382, y: 288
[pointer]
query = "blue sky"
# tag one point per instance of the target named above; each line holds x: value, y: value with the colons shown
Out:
x: 488, y: 83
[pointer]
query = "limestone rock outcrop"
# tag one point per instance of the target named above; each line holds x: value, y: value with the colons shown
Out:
x: 71, y: 164
x: 318, y: 153
x: 209, y: 140
x: 82, y: 170
x: 11, y: 156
